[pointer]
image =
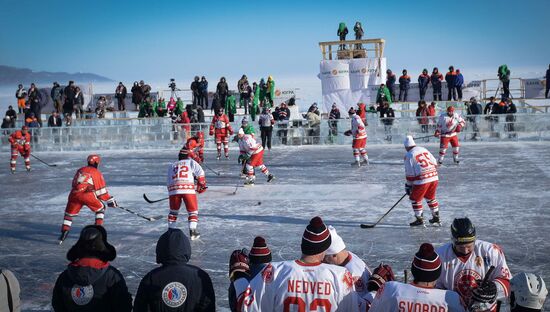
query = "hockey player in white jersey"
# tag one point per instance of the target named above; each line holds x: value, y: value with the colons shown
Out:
x: 528, y: 293
x: 359, y: 133
x: 421, y: 180
x: 467, y: 260
x: 338, y: 255
x: 420, y: 295
x: 305, y: 284
x: 253, y: 154
x: 239, y: 275
x: 448, y: 126
x: 181, y: 188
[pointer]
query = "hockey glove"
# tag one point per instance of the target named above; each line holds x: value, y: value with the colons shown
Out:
x: 211, y: 133
x: 201, y: 185
x: 458, y: 128
x: 347, y: 133
x: 238, y: 262
x: 484, y: 297
x: 383, y: 273
x: 111, y: 202
x: 436, y: 134
x: 408, y: 188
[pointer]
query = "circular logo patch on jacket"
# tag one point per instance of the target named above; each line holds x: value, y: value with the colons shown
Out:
x: 82, y: 295
x: 174, y: 294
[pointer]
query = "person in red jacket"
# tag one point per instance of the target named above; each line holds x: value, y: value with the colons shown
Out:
x: 362, y: 112
x: 195, y: 146
x: 88, y: 188
x: 186, y: 123
x: 221, y: 129
x: 20, y: 142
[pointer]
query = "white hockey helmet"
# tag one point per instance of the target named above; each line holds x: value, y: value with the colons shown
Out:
x: 528, y: 291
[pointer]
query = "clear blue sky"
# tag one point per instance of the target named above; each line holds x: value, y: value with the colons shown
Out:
x: 156, y: 40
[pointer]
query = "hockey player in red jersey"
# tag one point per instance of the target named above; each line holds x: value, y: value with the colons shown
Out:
x: 421, y: 294
x: 181, y: 188
x: 221, y: 129
x: 422, y: 180
x: 20, y: 142
x: 88, y: 188
x: 359, y: 133
x: 466, y: 261
x: 195, y: 147
x: 448, y: 126
x: 252, y: 153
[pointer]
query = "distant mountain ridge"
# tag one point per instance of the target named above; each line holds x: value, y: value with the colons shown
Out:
x: 13, y: 76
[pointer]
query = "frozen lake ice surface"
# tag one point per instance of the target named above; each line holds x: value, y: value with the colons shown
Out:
x: 503, y: 187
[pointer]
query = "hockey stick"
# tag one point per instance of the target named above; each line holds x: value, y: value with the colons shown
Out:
x: 368, y: 226
x: 140, y: 215
x: 423, y: 137
x: 45, y: 163
x: 238, y: 183
x: 207, y: 167
x: 153, y: 201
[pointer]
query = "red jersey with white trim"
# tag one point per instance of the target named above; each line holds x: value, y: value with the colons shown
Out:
x: 24, y: 141
x: 396, y: 296
x: 194, y: 148
x: 299, y: 286
x: 461, y: 273
x: 90, y: 179
x: 181, y: 176
x: 249, y: 145
x: 220, y: 126
x: 420, y: 166
x: 447, y: 125
x: 358, y: 129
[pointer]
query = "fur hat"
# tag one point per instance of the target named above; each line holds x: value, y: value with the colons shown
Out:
x: 92, y: 243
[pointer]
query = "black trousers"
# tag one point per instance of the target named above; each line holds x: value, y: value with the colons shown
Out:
x: 266, y: 133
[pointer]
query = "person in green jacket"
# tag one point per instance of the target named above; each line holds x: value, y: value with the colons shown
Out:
x: 231, y: 107
x: 179, y: 107
x: 270, y: 90
x: 255, y: 101
x: 160, y: 110
x: 247, y: 127
x: 146, y: 108
x: 383, y: 95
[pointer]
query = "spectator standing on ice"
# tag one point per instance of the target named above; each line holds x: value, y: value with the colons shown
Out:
x: 242, y: 89
x: 100, y: 107
x: 120, y: 94
x: 57, y: 96
x: 54, y: 120
x: 436, y: 78
x: 266, y: 122
x: 390, y: 83
x: 12, y: 115
x: 78, y: 103
x: 431, y: 112
x: 504, y: 77
x: 358, y: 29
x: 175, y: 285
x: 383, y: 95
x: 137, y: 95
x: 511, y: 111
x: 473, y: 111
x: 203, y: 93
x: 21, y: 95
x: 35, y: 101
x: 423, y: 82
x: 145, y: 90
x: 387, y: 116
x: 90, y: 282
x: 283, y: 118
x: 223, y: 91
x: 450, y: 78
x: 231, y: 107
x: 547, y: 82
x: 404, y: 85
x: 459, y: 82
x: 255, y: 96
x: 333, y: 117
x: 68, y: 106
x: 422, y: 115
x: 314, y: 124
x: 341, y: 33
x: 195, y: 91
x: 270, y: 95
x: 490, y: 112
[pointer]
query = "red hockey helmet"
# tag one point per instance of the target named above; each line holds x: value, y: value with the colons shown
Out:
x: 18, y: 135
x: 199, y: 135
x: 24, y: 128
x: 450, y: 109
x: 94, y: 160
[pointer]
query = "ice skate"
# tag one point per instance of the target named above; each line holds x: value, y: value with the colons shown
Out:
x: 63, y: 236
x: 365, y: 161
x: 249, y: 181
x: 194, y: 234
x: 218, y: 157
x: 419, y: 221
x: 356, y: 164
x: 435, y: 219
x: 28, y: 168
x: 12, y: 170
x: 270, y: 177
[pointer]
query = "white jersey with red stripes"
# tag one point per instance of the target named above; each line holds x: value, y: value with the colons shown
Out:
x: 420, y: 166
x: 396, y: 296
x: 358, y: 129
x: 361, y: 274
x: 461, y: 273
x: 249, y: 145
x: 181, y: 176
x: 447, y: 125
x: 299, y: 286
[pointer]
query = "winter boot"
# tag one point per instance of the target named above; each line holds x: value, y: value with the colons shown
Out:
x: 419, y: 221
x: 194, y: 234
x: 63, y: 236
x: 270, y: 177
x: 435, y: 218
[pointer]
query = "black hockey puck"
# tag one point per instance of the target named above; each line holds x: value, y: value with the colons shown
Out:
x: 259, y: 203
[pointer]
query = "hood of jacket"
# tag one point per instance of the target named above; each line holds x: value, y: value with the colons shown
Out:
x: 173, y: 247
x: 87, y: 271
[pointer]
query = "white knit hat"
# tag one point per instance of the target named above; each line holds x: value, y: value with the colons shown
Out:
x: 241, y: 131
x: 409, y: 141
x: 337, y: 243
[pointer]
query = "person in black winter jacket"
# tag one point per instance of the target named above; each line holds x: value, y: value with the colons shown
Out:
x: 423, y: 82
x: 547, y: 82
x: 137, y: 96
x: 387, y: 116
x: 333, y: 117
x: 473, y: 108
x: 390, y: 83
x: 404, y: 86
x: 90, y: 283
x: 176, y: 285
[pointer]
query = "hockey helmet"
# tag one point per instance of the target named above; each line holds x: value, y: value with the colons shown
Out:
x: 220, y: 111
x: 528, y: 291
x: 351, y: 111
x: 240, y: 134
x: 18, y: 135
x: 450, y: 109
x: 463, y: 231
x: 184, y: 153
x: 24, y: 128
x: 199, y: 135
x: 94, y: 160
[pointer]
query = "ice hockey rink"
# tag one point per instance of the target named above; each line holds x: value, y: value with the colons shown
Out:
x: 503, y: 187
